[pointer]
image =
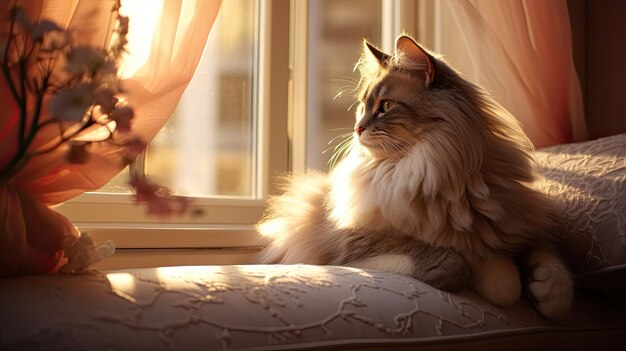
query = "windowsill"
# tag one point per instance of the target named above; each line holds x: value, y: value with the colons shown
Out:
x: 150, y: 258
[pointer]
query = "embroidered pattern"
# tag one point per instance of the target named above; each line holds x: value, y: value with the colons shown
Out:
x: 589, y: 180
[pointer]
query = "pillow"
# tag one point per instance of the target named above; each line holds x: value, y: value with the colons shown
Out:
x: 589, y: 181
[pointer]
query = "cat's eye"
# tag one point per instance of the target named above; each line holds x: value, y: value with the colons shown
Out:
x: 360, y: 110
x: 386, y: 105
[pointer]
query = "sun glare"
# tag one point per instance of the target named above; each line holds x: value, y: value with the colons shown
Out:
x: 272, y: 228
x: 187, y: 272
x: 121, y: 281
x: 143, y: 15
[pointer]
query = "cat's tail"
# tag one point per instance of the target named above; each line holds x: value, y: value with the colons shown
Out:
x: 270, y: 255
x: 275, y: 251
x: 295, y: 223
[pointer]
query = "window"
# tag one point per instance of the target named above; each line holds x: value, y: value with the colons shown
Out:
x: 261, y: 103
x: 225, y: 159
x: 324, y: 93
x: 207, y: 147
x: 335, y: 31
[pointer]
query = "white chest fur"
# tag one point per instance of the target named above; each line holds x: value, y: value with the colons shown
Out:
x: 383, y: 194
x: 421, y: 195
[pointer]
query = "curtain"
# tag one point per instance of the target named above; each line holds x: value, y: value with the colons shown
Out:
x: 166, y: 40
x: 153, y: 90
x: 521, y: 51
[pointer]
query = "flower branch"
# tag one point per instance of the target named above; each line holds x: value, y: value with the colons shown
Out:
x: 35, y: 49
x: 81, y: 98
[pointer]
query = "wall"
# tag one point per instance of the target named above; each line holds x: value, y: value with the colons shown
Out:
x: 599, y: 33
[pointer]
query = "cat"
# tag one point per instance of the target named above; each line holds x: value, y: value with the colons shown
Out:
x: 437, y: 184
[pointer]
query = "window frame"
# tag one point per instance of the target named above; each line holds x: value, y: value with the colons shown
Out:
x: 228, y: 221
x: 225, y: 232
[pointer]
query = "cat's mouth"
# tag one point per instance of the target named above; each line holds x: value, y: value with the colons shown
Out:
x: 381, y: 148
x: 365, y: 140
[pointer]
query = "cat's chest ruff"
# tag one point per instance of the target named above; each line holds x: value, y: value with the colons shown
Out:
x: 383, y: 194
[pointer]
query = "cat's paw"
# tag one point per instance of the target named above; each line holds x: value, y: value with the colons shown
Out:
x: 497, y: 280
x: 552, y: 290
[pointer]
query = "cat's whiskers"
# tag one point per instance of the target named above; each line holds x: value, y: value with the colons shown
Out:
x: 340, y: 136
x: 341, y: 149
x: 345, y: 90
x: 349, y: 89
x: 353, y: 80
x: 391, y: 150
x: 340, y: 155
x: 352, y: 105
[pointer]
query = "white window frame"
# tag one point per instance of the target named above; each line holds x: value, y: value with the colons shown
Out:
x: 225, y: 233
x: 398, y: 16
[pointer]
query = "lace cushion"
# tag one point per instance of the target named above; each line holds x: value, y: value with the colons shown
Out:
x: 589, y: 180
x: 280, y: 307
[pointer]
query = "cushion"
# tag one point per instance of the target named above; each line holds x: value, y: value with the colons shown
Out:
x: 279, y: 307
x: 589, y: 181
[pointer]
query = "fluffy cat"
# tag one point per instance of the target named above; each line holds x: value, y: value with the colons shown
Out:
x: 438, y: 184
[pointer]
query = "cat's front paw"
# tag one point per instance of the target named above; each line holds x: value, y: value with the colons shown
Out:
x: 552, y: 289
x: 497, y: 280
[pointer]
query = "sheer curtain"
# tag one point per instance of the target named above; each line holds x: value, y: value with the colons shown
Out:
x: 168, y: 40
x: 175, y: 45
x: 520, y: 50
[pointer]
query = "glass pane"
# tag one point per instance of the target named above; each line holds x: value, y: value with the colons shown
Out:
x: 118, y: 185
x: 206, y: 148
x: 336, y: 31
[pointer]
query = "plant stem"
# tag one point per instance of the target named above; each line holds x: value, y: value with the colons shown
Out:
x: 7, y: 75
x: 23, y: 105
x: 23, y: 141
x: 34, y: 127
x: 19, y: 153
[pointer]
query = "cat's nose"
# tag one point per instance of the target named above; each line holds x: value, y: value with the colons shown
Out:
x: 359, y: 130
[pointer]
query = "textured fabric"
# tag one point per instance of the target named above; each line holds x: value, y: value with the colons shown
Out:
x: 32, y: 236
x: 521, y: 51
x: 589, y: 180
x: 267, y: 307
x: 154, y: 86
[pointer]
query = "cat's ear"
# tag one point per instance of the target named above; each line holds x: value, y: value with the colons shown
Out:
x: 372, y: 60
x: 374, y: 54
x: 410, y: 56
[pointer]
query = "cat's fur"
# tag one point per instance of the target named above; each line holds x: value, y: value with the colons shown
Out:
x: 438, y: 184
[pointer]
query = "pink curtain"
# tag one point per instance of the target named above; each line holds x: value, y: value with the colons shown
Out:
x: 153, y: 91
x: 32, y: 236
x: 520, y: 50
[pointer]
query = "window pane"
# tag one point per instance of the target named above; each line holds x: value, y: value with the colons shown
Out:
x: 336, y: 30
x: 206, y: 148
x: 119, y: 184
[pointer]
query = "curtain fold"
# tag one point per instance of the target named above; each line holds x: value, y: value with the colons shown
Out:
x: 180, y: 31
x: 35, y: 239
x: 521, y: 51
